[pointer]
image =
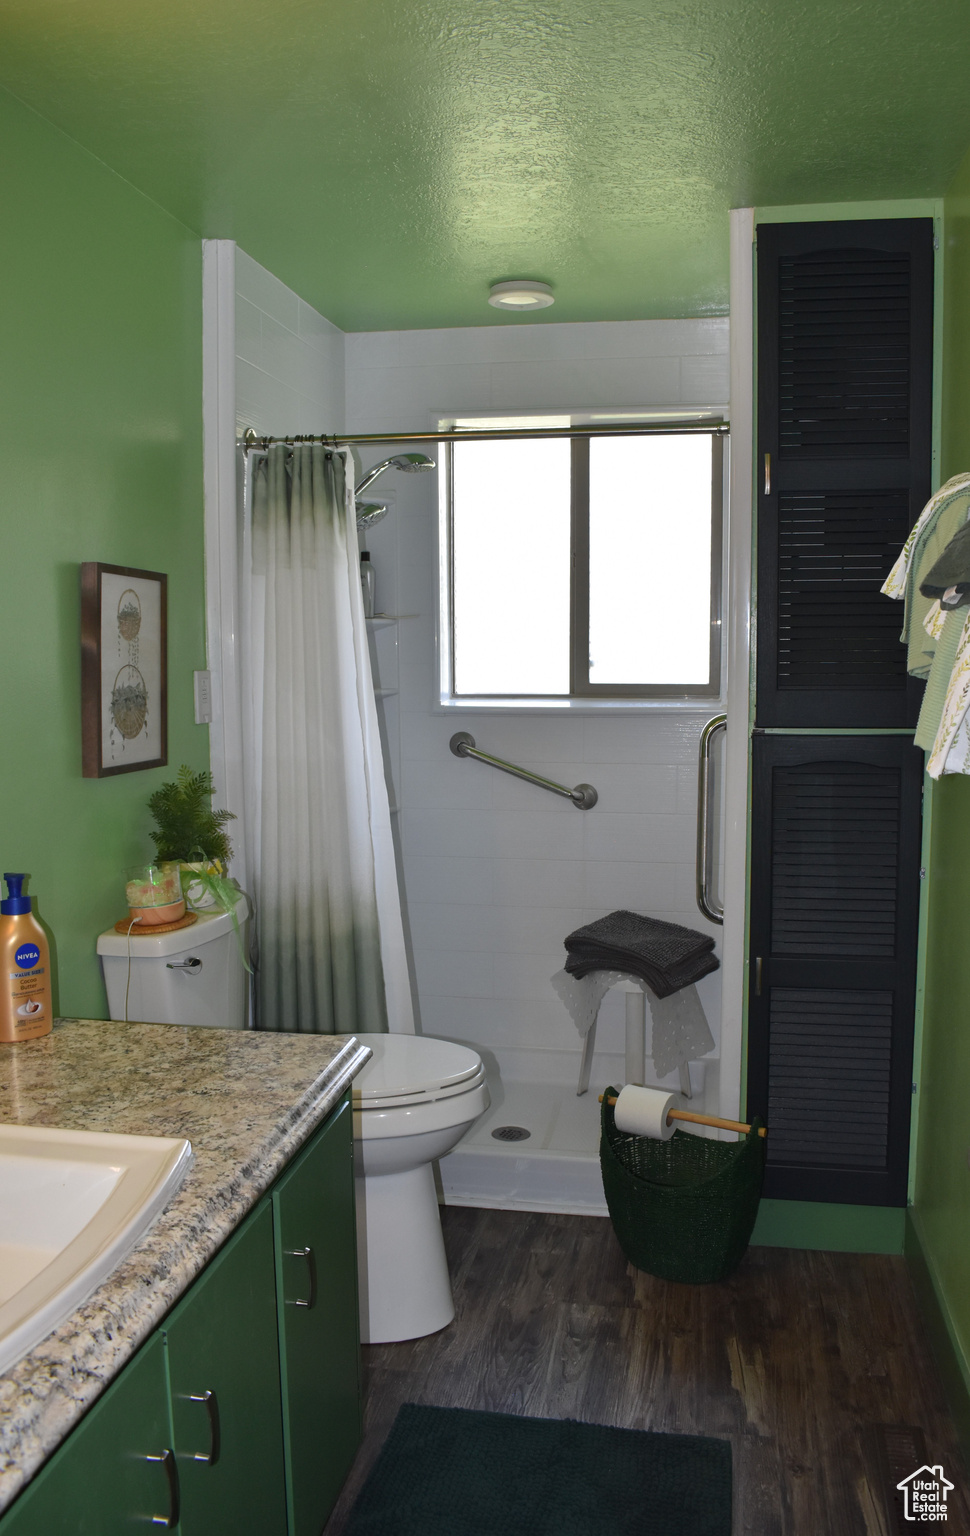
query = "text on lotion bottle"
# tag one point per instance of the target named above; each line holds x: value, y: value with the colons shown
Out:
x: 25, y: 998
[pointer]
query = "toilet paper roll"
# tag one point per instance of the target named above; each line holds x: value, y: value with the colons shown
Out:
x: 643, y: 1111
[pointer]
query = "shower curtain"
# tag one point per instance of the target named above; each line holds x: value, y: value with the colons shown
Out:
x: 331, y: 957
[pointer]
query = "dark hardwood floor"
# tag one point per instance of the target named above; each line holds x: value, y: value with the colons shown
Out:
x: 795, y: 1359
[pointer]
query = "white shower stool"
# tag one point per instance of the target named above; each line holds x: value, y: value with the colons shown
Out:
x: 636, y: 1043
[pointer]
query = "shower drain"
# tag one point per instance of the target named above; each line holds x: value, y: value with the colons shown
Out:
x: 511, y: 1133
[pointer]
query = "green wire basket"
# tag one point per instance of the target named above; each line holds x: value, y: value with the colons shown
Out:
x: 682, y: 1209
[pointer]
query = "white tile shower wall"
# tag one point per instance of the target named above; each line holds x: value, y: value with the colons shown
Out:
x: 497, y: 872
x: 289, y: 359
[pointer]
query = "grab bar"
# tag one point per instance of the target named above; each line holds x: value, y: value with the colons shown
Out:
x: 708, y: 906
x: 584, y: 796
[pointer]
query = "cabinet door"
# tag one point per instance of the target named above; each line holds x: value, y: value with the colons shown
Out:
x: 316, y: 1265
x: 845, y: 371
x: 116, y: 1475
x: 834, y: 894
x: 223, y: 1358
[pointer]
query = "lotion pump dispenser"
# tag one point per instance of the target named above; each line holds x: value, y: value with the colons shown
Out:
x: 25, y: 997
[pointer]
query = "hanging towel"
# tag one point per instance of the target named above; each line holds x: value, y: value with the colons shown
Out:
x: 944, y: 514
x: 951, y: 750
x: 664, y: 955
x: 949, y: 577
x: 938, y: 682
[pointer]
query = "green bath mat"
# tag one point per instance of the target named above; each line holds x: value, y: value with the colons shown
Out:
x: 457, y: 1472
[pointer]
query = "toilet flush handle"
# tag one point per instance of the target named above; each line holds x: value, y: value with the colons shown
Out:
x: 192, y: 966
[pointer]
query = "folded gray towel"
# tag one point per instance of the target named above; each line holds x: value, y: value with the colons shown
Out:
x: 664, y: 955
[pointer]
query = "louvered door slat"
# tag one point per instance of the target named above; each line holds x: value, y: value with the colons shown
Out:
x: 844, y: 354
x: 828, y: 1095
x: 845, y: 369
x: 835, y: 628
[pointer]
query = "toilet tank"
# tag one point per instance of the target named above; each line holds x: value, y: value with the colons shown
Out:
x: 193, y: 976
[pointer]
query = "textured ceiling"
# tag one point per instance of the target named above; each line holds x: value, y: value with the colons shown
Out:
x: 390, y: 160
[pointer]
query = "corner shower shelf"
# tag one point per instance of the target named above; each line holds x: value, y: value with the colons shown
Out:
x: 376, y: 622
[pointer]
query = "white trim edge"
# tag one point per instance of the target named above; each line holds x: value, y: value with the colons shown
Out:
x: 221, y: 533
x: 738, y: 611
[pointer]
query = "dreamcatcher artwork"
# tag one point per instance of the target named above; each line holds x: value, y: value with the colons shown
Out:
x: 123, y: 669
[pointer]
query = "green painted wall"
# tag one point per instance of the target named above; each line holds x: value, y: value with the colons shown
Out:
x: 941, y: 1205
x: 100, y: 416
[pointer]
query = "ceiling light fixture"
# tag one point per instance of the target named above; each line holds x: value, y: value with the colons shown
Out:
x: 521, y: 296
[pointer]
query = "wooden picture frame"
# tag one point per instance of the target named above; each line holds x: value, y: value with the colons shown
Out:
x: 124, y: 669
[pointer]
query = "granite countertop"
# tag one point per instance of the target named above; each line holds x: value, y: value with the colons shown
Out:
x: 246, y: 1101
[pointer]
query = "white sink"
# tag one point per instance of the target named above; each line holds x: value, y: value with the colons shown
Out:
x: 72, y: 1205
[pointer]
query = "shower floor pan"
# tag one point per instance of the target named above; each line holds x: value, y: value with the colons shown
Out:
x: 556, y: 1168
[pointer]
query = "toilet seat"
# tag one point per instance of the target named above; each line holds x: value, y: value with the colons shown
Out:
x: 409, y: 1070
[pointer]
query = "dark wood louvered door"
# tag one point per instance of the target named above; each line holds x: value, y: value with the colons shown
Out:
x: 835, y: 895
x: 845, y: 325
x: 844, y: 468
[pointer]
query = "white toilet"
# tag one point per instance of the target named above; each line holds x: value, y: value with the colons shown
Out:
x: 413, y: 1101
x: 192, y: 976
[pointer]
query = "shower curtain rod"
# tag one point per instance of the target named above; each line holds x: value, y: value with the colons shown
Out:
x: 252, y: 442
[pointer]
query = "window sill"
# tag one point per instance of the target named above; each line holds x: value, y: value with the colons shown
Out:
x: 709, y: 704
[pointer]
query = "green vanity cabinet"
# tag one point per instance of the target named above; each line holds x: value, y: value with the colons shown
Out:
x: 115, y: 1476
x: 241, y: 1415
x: 317, y: 1300
x: 224, y: 1379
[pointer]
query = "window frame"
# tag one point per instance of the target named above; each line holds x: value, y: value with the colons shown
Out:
x: 582, y: 692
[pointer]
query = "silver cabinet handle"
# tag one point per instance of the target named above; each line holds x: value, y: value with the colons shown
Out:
x: 167, y: 1460
x: 215, y: 1439
x: 767, y: 474
x: 710, y: 909
x: 305, y: 1253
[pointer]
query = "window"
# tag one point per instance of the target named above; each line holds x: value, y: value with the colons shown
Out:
x: 582, y: 567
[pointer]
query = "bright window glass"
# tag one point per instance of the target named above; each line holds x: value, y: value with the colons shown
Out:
x: 650, y: 560
x: 510, y: 567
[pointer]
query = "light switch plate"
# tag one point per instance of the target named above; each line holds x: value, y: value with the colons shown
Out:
x: 203, y: 697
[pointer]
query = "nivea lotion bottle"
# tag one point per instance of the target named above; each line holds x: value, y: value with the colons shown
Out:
x: 25, y: 997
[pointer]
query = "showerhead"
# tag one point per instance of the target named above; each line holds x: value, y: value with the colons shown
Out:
x: 369, y: 513
x: 407, y: 462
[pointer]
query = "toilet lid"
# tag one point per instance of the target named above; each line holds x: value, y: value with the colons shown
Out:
x: 404, y: 1068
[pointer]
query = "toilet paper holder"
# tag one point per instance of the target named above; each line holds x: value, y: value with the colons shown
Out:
x: 695, y: 1119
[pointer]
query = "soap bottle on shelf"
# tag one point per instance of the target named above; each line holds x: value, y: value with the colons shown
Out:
x: 367, y: 583
x: 25, y: 998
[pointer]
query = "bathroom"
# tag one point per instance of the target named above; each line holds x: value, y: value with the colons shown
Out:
x: 103, y: 337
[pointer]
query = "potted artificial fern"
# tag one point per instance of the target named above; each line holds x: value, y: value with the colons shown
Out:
x: 191, y: 834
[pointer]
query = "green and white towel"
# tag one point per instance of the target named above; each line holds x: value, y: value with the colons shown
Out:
x: 939, y: 520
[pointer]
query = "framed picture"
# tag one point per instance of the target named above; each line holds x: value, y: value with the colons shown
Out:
x: 124, y: 669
